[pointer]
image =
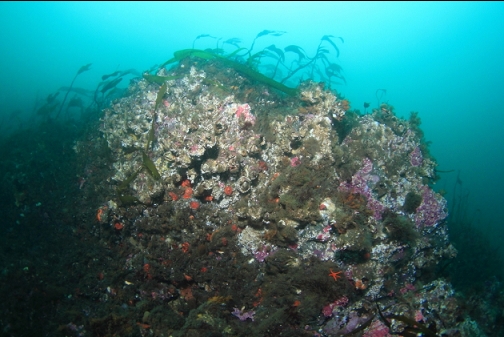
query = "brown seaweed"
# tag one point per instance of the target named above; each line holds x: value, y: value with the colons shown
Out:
x: 111, y: 84
x: 160, y: 94
x: 151, y: 168
x: 125, y: 183
x: 241, y: 68
x: 80, y: 71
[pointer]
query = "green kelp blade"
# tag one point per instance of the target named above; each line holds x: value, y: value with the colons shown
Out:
x: 84, y: 68
x: 151, y: 168
x: 150, y: 135
x: 245, y: 70
x: 195, y: 52
x: 279, y: 52
x: 328, y: 39
x: 333, y: 68
x: 201, y: 36
x: 262, y: 78
x: 160, y: 94
x: 270, y: 32
x: 296, y: 49
x: 235, y: 52
x: 110, y: 85
x: 204, y: 35
x: 125, y: 183
x: 179, y: 55
x: 234, y: 41
x: 130, y: 71
x: 255, y: 58
x: 115, y: 73
x: 127, y: 200
x: 159, y: 79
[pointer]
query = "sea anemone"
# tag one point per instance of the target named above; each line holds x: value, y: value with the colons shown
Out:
x: 187, y: 193
x: 173, y: 196
x: 228, y: 190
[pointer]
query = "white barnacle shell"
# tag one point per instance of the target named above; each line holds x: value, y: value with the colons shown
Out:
x: 209, y: 166
x: 243, y: 184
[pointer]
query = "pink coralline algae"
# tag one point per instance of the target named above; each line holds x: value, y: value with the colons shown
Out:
x: 407, y: 287
x: 431, y: 210
x: 261, y: 254
x: 376, y: 329
x: 295, y: 161
x: 243, y: 111
x: 416, y: 157
x: 327, y: 311
x: 243, y: 315
x: 419, y: 317
x: 359, y: 185
x: 367, y: 166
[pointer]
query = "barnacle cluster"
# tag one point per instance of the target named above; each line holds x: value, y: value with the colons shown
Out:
x: 263, y: 165
x: 291, y: 172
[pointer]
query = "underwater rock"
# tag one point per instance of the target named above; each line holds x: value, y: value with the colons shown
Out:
x: 282, y: 180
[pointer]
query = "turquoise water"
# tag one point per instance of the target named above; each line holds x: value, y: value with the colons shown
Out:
x: 67, y: 245
x: 443, y: 60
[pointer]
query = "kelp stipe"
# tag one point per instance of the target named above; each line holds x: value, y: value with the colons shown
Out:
x: 81, y: 70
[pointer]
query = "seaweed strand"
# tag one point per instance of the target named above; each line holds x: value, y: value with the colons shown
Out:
x: 81, y: 70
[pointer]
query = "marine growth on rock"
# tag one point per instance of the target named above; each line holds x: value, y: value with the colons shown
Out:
x: 287, y: 187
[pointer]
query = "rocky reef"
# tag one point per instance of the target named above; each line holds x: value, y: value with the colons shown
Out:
x: 232, y: 200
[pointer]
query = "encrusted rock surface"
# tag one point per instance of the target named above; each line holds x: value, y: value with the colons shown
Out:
x: 296, y: 178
